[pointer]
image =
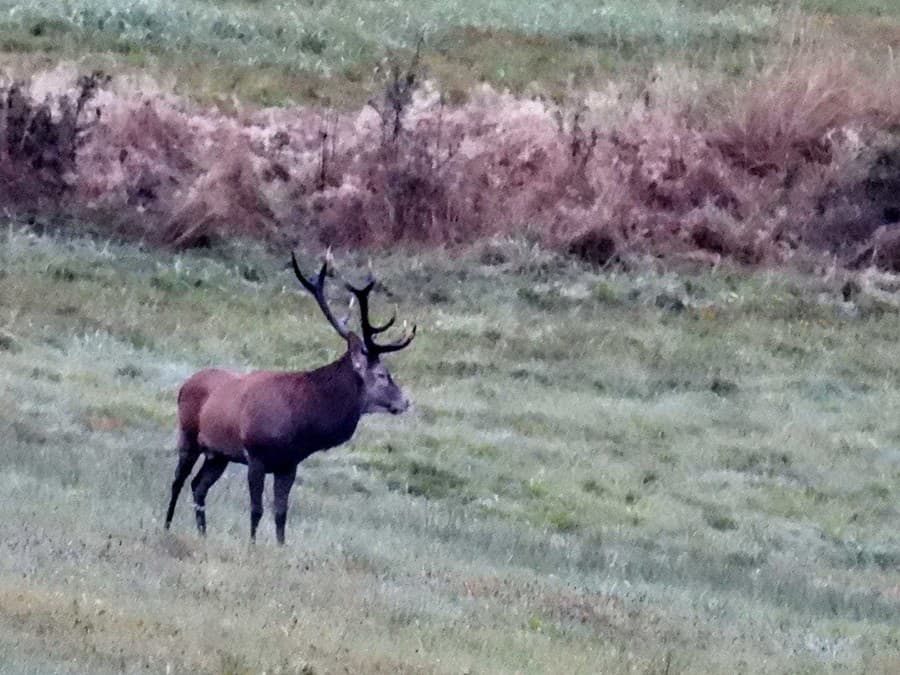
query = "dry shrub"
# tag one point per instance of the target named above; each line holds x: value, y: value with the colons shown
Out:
x: 859, y: 206
x: 787, y: 118
x: 388, y: 186
x: 813, y: 134
x: 798, y: 160
x: 159, y: 169
x: 138, y: 157
x: 226, y: 199
x: 39, y: 140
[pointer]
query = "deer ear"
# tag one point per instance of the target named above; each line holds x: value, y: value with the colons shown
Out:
x: 357, y: 353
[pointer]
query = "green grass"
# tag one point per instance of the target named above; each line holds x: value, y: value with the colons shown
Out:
x: 319, y: 52
x: 325, y: 52
x: 324, y: 36
x: 876, y: 8
x: 653, y: 471
x: 593, y: 480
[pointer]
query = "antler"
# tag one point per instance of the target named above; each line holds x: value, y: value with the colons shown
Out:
x: 317, y: 290
x: 369, y: 331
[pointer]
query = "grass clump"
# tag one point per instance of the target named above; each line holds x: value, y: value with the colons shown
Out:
x: 420, y: 479
x: 719, y: 521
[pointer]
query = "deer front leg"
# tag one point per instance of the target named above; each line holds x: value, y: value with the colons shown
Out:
x: 284, y: 481
x: 256, y: 480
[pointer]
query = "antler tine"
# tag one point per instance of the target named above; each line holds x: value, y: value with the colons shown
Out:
x: 368, y: 330
x: 362, y: 296
x: 384, y: 326
x: 303, y: 280
x: 399, y: 344
x: 345, y: 320
x: 317, y: 290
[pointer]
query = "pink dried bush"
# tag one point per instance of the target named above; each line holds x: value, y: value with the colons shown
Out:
x: 789, y: 117
x: 780, y: 167
x: 138, y: 157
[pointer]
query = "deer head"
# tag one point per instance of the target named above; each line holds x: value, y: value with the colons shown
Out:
x: 380, y: 392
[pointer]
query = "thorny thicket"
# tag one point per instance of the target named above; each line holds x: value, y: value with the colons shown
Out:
x: 805, y: 158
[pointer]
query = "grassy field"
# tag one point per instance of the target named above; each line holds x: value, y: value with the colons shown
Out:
x: 654, y: 467
x: 654, y: 471
x: 321, y: 51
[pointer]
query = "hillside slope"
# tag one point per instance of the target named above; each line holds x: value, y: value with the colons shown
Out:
x: 612, y: 471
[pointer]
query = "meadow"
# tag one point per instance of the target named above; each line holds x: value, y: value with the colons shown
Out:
x: 650, y: 253
x: 656, y: 470
x: 318, y: 51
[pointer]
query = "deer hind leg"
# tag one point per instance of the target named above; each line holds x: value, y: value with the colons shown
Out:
x: 212, y: 469
x: 188, y: 454
x: 284, y: 481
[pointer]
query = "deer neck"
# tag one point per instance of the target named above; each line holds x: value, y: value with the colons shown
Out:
x: 337, y: 393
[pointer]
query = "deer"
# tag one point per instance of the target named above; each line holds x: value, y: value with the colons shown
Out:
x: 272, y: 420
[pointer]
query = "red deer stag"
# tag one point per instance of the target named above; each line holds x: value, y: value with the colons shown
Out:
x: 273, y: 420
